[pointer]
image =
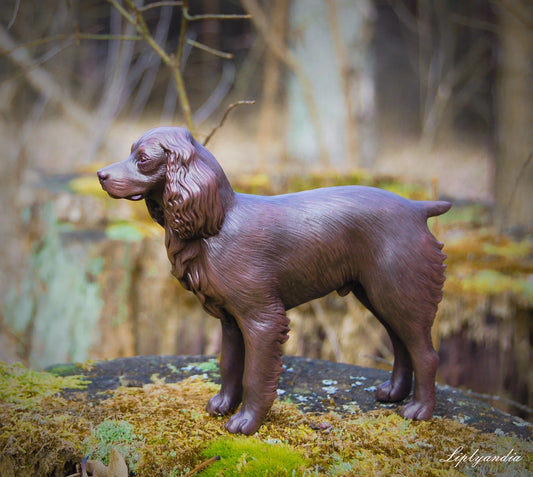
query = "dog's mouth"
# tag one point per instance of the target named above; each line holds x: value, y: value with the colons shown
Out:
x: 135, y: 197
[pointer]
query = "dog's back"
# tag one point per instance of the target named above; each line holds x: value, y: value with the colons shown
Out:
x: 310, y: 243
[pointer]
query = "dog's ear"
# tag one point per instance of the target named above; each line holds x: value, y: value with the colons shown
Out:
x: 192, y: 205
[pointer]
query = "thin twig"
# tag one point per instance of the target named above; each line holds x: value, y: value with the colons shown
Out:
x: 230, y: 108
x: 183, y: 31
x: 213, y: 16
x: 213, y: 51
x: 178, y: 77
x: 160, y: 4
x: 198, y: 468
x: 123, y: 12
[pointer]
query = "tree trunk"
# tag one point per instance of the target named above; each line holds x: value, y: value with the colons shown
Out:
x: 331, y: 41
x: 270, y: 117
x: 514, y: 165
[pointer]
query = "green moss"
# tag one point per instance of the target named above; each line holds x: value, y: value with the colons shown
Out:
x: 26, y: 388
x: 252, y: 457
x: 68, y: 369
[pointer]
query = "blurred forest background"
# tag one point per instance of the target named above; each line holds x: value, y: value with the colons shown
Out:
x: 425, y: 98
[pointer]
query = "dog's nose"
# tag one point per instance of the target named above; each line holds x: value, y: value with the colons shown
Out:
x: 102, y: 175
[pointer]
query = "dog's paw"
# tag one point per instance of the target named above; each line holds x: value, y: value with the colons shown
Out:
x: 389, y: 392
x: 222, y: 405
x: 419, y: 411
x: 243, y: 423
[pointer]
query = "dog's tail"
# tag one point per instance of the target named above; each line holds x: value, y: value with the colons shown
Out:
x: 432, y: 208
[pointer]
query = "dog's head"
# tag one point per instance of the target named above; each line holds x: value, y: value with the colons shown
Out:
x: 180, y: 187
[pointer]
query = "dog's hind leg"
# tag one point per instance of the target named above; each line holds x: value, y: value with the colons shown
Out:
x: 231, y: 369
x: 425, y: 362
x: 412, y: 328
x: 410, y: 332
x: 399, y: 385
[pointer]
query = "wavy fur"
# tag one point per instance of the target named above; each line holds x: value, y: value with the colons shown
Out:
x: 192, y: 206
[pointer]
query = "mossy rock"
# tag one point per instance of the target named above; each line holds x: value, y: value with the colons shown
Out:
x: 312, y: 385
x: 326, y: 422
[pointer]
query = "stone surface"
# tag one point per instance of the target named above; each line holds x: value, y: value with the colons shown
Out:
x: 315, y: 386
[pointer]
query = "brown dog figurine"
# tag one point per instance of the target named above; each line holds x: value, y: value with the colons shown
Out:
x: 249, y: 258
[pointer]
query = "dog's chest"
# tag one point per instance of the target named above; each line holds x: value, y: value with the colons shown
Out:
x: 185, y: 257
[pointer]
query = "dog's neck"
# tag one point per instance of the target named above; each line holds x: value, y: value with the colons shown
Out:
x: 187, y: 267
x: 183, y: 255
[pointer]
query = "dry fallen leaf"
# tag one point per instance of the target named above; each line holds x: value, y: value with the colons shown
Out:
x: 117, y: 466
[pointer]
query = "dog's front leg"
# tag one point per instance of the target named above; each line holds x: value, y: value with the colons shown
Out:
x: 231, y: 369
x: 263, y: 338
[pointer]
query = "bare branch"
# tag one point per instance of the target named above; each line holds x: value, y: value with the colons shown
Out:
x: 211, y: 16
x: 230, y: 108
x: 213, y: 51
x: 160, y: 4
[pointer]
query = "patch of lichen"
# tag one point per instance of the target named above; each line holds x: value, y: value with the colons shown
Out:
x: 173, y: 434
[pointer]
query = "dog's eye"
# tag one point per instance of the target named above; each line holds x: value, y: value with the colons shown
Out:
x: 142, y: 158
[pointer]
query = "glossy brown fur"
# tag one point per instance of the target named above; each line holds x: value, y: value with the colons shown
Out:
x: 250, y: 258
